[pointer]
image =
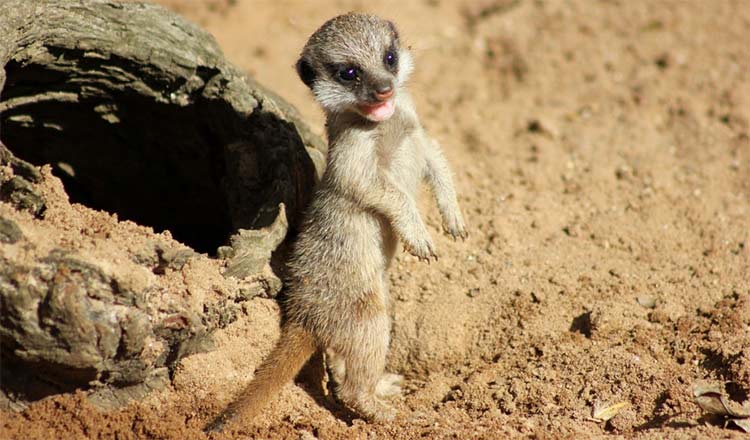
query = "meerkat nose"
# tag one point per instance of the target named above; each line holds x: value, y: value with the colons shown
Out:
x: 383, y: 93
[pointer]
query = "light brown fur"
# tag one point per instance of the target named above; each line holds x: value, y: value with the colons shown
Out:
x: 366, y: 201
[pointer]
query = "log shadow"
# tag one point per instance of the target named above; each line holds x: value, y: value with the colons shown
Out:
x: 192, y: 165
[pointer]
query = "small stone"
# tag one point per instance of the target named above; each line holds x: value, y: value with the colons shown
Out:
x: 646, y: 301
x: 542, y: 126
x: 225, y: 252
x: 623, y: 422
x: 658, y: 317
x: 307, y: 435
x: 21, y: 194
x: 623, y: 172
x: 10, y: 233
x: 174, y: 259
x: 571, y: 231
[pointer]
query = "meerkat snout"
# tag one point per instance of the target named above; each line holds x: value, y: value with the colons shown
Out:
x: 355, y: 63
x: 383, y: 93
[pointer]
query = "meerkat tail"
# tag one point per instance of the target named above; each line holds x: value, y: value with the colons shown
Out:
x: 294, y: 348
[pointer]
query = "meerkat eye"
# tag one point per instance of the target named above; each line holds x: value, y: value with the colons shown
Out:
x: 391, y: 58
x: 348, y: 73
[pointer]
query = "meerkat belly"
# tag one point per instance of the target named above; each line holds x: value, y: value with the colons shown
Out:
x: 339, y: 263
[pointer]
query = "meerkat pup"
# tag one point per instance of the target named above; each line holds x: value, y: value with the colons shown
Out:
x: 337, y: 287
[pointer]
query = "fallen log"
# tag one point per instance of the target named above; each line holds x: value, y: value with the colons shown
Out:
x: 138, y: 113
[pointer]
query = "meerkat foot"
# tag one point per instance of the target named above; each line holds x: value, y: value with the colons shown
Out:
x: 366, y: 404
x: 385, y: 413
x: 389, y: 385
x: 374, y: 409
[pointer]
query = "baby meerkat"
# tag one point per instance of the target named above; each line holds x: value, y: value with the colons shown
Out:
x: 337, y: 287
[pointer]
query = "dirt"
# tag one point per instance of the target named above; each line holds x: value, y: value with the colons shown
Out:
x: 601, y: 152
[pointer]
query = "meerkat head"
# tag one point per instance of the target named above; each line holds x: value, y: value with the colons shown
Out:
x: 355, y: 63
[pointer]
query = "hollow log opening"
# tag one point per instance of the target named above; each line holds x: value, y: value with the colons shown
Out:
x: 157, y: 164
x: 139, y: 114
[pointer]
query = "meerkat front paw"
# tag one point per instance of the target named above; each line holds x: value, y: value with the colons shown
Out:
x: 422, y: 249
x: 386, y: 414
x: 454, y: 225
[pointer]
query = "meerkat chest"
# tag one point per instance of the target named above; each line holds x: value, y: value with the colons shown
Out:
x: 400, y: 152
x: 403, y: 159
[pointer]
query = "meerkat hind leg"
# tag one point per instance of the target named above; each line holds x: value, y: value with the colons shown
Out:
x: 336, y: 366
x: 365, y: 361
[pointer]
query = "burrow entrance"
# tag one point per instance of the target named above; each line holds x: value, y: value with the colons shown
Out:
x: 197, y: 168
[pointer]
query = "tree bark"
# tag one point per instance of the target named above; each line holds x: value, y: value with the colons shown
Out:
x: 139, y: 114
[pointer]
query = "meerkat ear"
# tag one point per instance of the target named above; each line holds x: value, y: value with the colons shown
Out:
x: 305, y: 72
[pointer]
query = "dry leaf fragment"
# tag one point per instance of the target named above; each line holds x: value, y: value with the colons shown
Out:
x: 605, y: 411
x: 743, y: 424
x: 713, y: 400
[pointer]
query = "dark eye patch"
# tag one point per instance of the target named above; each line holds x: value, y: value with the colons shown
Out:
x: 390, y: 59
x: 344, y: 73
x: 348, y: 73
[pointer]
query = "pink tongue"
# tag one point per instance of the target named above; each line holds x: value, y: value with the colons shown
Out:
x: 380, y: 112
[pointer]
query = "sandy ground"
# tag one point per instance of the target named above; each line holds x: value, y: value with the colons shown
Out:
x: 601, y: 152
